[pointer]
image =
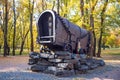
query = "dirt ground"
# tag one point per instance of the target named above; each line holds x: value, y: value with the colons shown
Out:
x: 111, y: 71
x: 13, y: 63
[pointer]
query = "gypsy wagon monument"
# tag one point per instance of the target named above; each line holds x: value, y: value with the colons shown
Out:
x: 64, y: 47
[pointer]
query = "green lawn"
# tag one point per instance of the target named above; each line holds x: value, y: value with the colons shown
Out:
x: 25, y: 52
x: 111, y: 51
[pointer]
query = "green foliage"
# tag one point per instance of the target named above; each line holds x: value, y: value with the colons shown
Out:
x: 69, y: 9
x: 111, y: 51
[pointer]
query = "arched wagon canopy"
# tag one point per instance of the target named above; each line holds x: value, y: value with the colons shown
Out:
x: 55, y: 31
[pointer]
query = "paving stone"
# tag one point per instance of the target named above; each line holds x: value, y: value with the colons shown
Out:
x: 83, y: 67
x: 64, y: 57
x: 100, y: 62
x: 64, y: 73
x: 44, y: 62
x: 73, y: 61
x: 38, y: 68
x: 32, y: 61
x: 44, y: 55
x: 61, y: 63
x: 68, y: 66
x: 93, y: 66
x: 34, y: 55
x: 62, y: 53
x: 55, y: 60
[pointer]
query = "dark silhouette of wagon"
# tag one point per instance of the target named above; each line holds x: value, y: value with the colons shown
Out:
x: 58, y: 33
x: 64, y: 46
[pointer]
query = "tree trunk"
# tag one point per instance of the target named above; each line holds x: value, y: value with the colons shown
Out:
x: 0, y: 48
x: 92, y: 25
x: 102, y: 27
x: 23, y: 41
x: 94, y: 47
x: 82, y: 7
x: 87, y: 14
x: 5, y: 28
x: 43, y: 5
x: 82, y: 12
x: 21, y: 48
x: 14, y: 32
x: 53, y: 5
x: 99, y: 43
x: 58, y: 6
x: 31, y: 8
x: 66, y: 10
x: 31, y: 33
x: 93, y: 32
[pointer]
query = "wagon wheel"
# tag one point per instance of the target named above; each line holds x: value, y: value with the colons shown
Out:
x: 68, y: 47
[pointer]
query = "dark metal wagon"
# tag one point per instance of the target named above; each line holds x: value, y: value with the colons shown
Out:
x: 60, y: 41
x: 58, y: 33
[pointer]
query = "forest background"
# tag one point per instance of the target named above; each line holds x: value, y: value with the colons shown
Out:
x: 18, y: 18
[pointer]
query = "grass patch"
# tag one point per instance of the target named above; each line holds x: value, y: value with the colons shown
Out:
x: 17, y: 51
x: 111, y: 51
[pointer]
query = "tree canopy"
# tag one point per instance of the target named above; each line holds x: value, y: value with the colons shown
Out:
x: 18, y: 21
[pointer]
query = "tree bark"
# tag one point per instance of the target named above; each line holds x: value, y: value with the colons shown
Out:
x: 58, y: 6
x: 23, y: 41
x: 0, y: 48
x: 53, y: 5
x: 31, y: 34
x: 14, y: 32
x: 86, y: 13
x: 82, y: 11
x: 99, y: 43
x: 5, y: 29
x: 82, y: 7
x: 21, y: 48
x: 102, y: 27
x: 92, y: 25
x: 94, y: 35
x: 31, y: 8
x: 43, y: 5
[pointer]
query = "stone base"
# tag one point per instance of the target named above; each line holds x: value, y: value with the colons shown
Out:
x: 62, y: 64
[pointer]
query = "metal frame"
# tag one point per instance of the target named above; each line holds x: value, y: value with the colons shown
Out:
x: 53, y: 15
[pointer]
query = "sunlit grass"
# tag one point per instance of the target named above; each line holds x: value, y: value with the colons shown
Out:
x: 111, y: 51
x: 17, y: 51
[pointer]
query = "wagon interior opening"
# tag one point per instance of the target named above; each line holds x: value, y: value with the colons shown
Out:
x: 45, y: 26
